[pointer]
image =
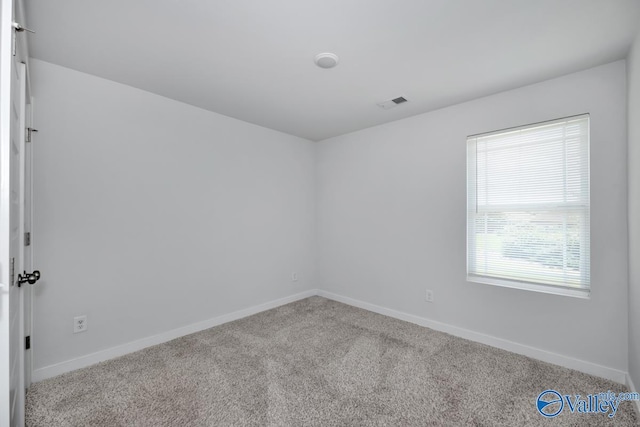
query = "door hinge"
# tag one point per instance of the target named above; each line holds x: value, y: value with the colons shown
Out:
x: 27, y: 135
x: 27, y: 343
x: 12, y: 272
x: 27, y: 238
x: 19, y: 28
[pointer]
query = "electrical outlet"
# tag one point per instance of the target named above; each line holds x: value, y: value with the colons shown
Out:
x: 80, y: 324
x: 429, y: 296
x: 294, y: 277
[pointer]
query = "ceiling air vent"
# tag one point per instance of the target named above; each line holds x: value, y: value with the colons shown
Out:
x: 387, y: 105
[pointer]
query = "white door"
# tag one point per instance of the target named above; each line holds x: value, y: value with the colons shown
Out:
x: 13, y: 89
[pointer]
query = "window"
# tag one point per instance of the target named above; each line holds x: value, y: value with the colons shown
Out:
x: 528, y: 207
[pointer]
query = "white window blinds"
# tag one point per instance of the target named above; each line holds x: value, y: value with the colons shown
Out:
x: 528, y: 206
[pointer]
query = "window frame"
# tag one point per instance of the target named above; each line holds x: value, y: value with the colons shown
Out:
x: 549, y: 288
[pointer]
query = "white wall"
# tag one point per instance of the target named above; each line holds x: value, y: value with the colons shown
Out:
x: 633, y: 73
x: 152, y: 214
x: 392, y: 219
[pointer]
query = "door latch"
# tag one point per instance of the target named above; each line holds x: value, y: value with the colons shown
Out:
x: 30, y: 278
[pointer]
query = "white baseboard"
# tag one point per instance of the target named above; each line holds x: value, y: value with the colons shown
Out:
x: 525, y: 350
x: 633, y: 389
x: 100, y: 356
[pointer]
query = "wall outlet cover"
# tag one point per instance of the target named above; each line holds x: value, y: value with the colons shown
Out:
x: 80, y: 324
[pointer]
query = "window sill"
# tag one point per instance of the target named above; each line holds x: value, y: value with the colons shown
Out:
x: 535, y: 287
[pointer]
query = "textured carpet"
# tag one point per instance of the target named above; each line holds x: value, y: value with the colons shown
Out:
x: 319, y: 363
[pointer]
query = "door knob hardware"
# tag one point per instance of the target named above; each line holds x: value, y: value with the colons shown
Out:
x: 30, y: 278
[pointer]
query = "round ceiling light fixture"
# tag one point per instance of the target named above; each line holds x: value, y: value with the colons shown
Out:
x: 326, y: 60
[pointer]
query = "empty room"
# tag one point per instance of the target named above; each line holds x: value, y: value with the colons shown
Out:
x: 319, y: 213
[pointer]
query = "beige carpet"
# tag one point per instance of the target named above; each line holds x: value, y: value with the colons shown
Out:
x: 319, y: 363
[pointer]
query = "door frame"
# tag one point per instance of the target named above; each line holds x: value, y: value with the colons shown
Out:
x: 27, y: 226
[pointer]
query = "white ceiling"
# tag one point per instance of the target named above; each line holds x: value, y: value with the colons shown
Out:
x: 253, y: 59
